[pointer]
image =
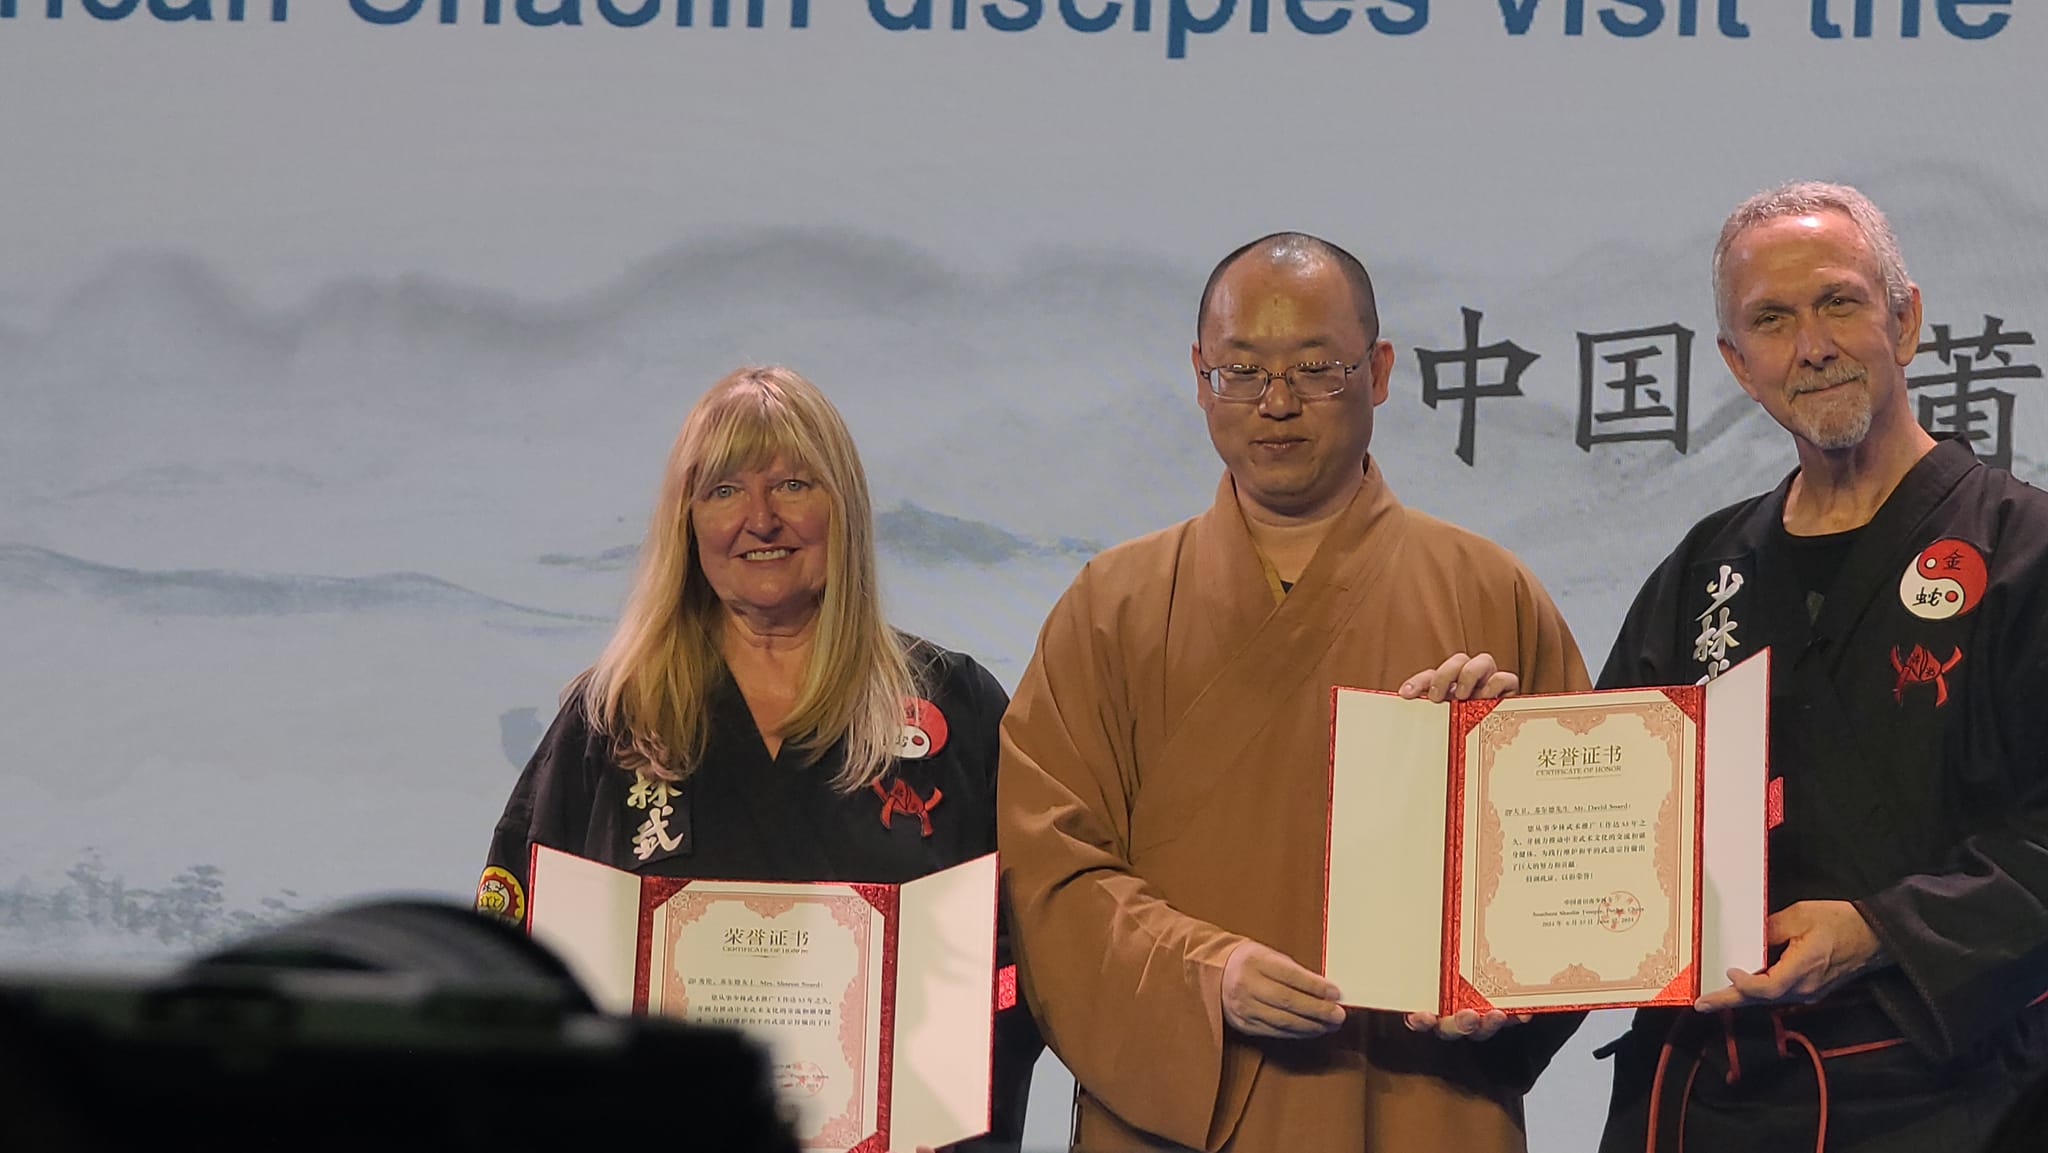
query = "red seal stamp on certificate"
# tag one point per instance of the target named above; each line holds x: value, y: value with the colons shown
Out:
x: 1619, y: 911
x: 800, y: 1077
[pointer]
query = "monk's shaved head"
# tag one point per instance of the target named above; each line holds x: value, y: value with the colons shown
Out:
x: 1300, y: 250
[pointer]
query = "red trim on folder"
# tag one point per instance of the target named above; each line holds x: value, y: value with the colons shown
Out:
x: 1699, y: 851
x: 654, y: 893
x: 532, y: 851
x: 1684, y: 989
x: 1007, y: 974
x: 1452, y: 986
x: 1466, y: 997
x: 1774, y: 787
x: 1690, y: 699
x: 884, y: 899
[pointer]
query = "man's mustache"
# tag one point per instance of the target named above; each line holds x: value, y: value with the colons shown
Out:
x: 1828, y: 377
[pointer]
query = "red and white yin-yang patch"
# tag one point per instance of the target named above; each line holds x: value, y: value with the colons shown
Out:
x: 1946, y: 580
x: 924, y: 730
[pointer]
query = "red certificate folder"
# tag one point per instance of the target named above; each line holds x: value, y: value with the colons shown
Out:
x: 1547, y: 853
x: 876, y: 1002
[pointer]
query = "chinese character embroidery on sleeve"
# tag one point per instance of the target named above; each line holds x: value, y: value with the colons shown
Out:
x: 652, y: 794
x: 646, y: 792
x: 1717, y: 627
x: 653, y: 833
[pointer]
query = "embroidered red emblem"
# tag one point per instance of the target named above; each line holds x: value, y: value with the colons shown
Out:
x: 901, y: 798
x: 924, y: 730
x: 1774, y: 803
x: 1006, y: 988
x: 1919, y: 668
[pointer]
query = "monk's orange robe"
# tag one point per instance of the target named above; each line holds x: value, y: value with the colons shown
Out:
x: 1163, y: 796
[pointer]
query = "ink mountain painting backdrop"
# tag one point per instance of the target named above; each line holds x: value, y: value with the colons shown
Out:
x: 339, y: 359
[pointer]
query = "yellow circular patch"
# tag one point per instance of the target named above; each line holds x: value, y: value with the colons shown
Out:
x: 499, y: 895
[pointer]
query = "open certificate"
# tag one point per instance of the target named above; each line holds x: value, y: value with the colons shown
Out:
x: 1544, y: 853
x: 875, y: 1002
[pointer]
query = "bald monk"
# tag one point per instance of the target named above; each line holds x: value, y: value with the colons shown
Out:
x: 1163, y: 785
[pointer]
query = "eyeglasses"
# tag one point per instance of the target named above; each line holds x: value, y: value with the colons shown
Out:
x: 1249, y: 382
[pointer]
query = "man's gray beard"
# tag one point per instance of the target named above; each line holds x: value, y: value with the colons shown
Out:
x: 1844, y: 433
x: 1847, y: 433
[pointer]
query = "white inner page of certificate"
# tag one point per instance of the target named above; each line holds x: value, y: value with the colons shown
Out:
x: 1581, y: 826
x: 1384, y: 892
x: 945, y: 995
x: 589, y: 914
x: 796, y: 967
x: 1737, y: 772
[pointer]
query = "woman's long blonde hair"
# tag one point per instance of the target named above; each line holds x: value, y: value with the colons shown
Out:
x: 650, y: 692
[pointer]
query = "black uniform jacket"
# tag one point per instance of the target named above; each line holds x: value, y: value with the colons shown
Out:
x: 746, y: 816
x: 1909, y: 723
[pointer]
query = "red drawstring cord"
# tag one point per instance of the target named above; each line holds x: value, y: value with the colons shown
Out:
x: 1867, y: 1047
x: 1657, y: 1098
x: 1783, y: 1036
x: 1685, y: 1095
x: 1728, y: 1035
x: 1657, y: 1087
x: 1820, y: 1073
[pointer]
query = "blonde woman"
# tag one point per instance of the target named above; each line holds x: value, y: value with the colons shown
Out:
x: 754, y: 717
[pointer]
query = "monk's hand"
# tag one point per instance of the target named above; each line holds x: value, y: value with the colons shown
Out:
x: 1826, y: 943
x: 1266, y: 994
x: 1465, y: 1024
x: 1462, y: 678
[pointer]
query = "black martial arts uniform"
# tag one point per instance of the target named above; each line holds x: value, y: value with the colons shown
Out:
x: 746, y: 816
x: 1909, y: 734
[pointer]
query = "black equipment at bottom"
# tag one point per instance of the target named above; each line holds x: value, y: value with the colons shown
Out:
x: 389, y: 1026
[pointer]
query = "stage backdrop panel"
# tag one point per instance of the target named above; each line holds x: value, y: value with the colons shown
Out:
x: 341, y: 345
